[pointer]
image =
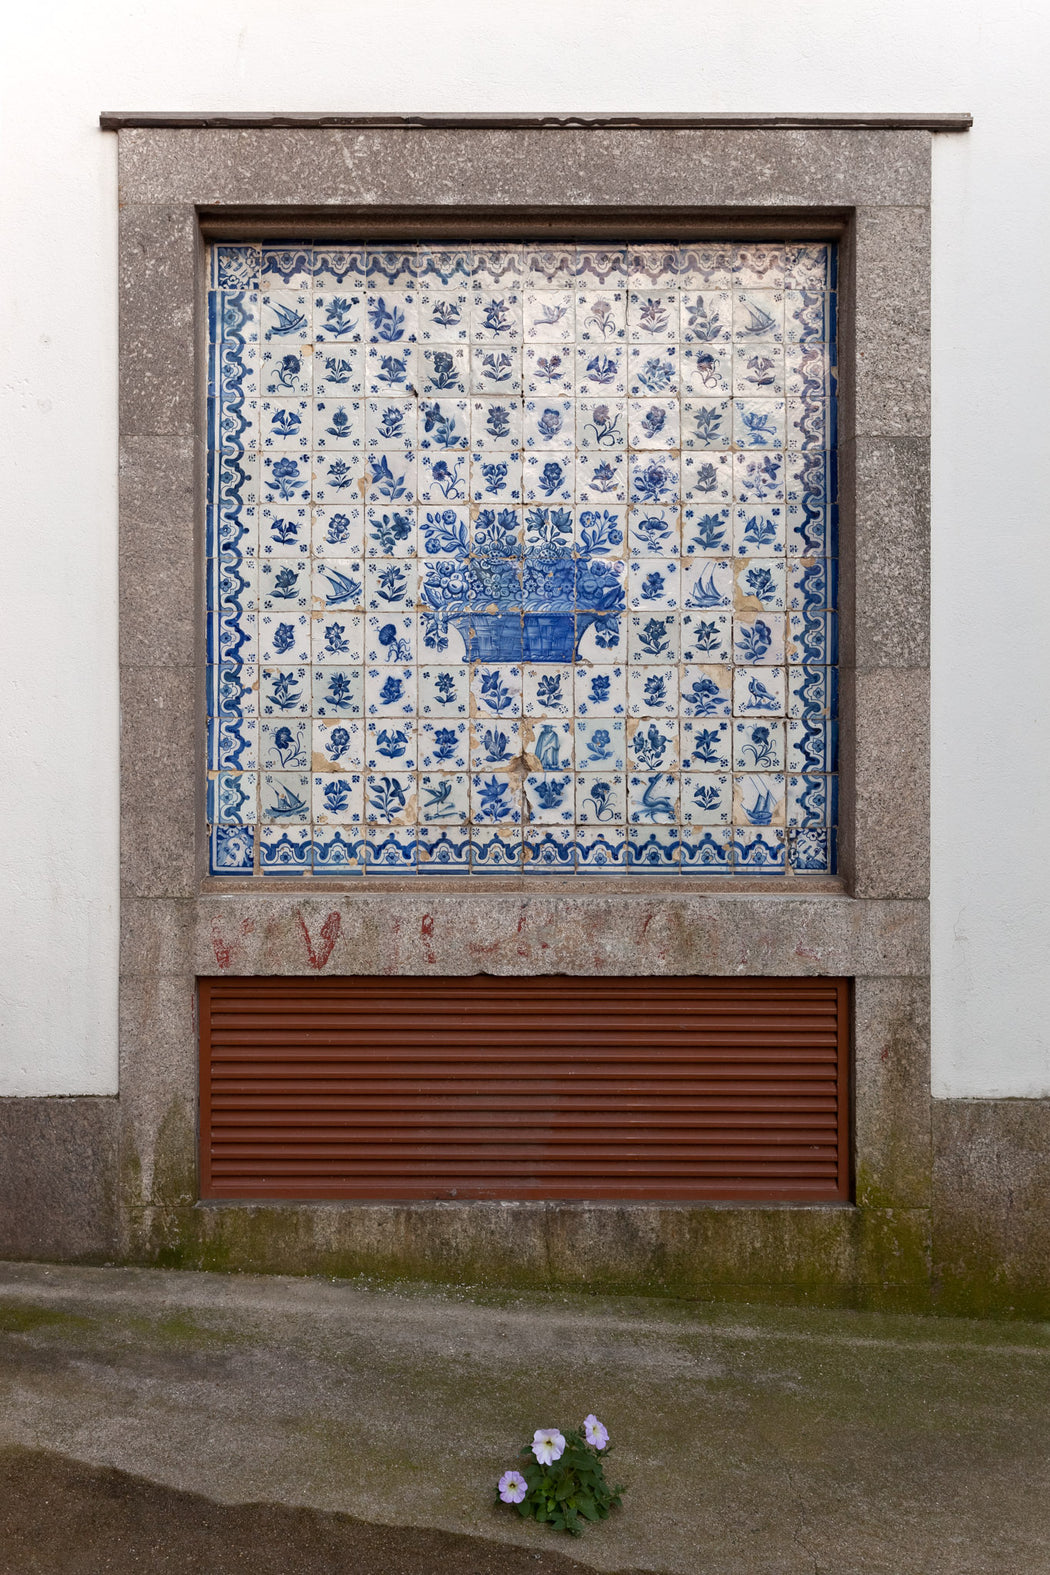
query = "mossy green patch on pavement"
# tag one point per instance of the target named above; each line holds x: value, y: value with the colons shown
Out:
x: 754, y: 1440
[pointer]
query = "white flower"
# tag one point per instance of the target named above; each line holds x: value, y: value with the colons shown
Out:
x: 594, y: 1432
x: 548, y: 1445
x: 512, y: 1487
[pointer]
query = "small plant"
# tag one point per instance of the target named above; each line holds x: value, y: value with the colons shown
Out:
x: 563, y: 1481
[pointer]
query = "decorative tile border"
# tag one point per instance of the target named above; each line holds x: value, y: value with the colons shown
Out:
x: 522, y: 559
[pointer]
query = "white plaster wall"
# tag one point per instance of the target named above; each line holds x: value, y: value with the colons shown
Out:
x: 58, y: 638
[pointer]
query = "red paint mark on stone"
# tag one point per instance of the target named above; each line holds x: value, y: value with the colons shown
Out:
x: 219, y: 946
x: 884, y: 1054
x: 329, y: 935
x: 521, y: 920
x: 648, y: 921
x: 804, y: 951
x: 248, y: 926
x: 426, y: 930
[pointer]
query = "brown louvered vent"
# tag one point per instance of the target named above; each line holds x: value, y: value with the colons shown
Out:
x: 488, y: 1087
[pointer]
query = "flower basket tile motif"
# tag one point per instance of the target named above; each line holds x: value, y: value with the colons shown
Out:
x: 521, y: 559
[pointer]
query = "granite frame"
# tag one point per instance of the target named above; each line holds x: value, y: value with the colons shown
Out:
x: 867, y: 188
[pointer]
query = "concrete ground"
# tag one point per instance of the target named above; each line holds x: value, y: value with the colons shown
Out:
x: 161, y: 1421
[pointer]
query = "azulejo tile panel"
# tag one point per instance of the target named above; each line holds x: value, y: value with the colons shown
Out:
x: 521, y: 559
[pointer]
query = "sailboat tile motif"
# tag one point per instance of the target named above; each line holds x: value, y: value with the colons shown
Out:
x: 521, y: 558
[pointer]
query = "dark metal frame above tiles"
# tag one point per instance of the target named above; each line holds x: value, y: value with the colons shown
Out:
x: 209, y: 120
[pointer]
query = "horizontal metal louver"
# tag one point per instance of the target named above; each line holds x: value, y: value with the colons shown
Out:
x: 482, y: 1087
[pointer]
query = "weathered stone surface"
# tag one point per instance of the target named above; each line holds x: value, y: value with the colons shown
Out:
x: 889, y: 391
x: 58, y: 1178
x: 886, y: 590
x: 753, y: 1440
x: 991, y: 1195
x: 891, y: 784
x: 158, y: 296
x: 418, y: 933
x: 891, y: 1068
x: 827, y: 168
x: 159, y: 709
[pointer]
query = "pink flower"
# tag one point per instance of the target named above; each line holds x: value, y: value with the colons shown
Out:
x: 594, y: 1432
x: 548, y: 1445
x: 512, y: 1487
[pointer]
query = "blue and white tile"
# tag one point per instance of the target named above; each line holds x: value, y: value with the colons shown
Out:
x: 601, y: 426
x: 707, y: 690
x: 548, y: 316
x: 758, y: 746
x: 600, y: 744
x: 495, y: 849
x: 393, y: 268
x: 286, y: 267
x: 285, y: 478
x: 549, y: 850
x: 602, y: 850
x: 809, y: 316
x: 601, y: 315
x: 652, y: 691
x: 706, y: 317
x: 811, y: 800
x: 495, y: 799
x: 443, y: 745
x: 811, y: 851
x: 654, y: 424
x: 443, y: 852
x: 653, y: 850
x: 495, y: 478
x: 284, y: 637
x: 338, y: 851
x: 601, y: 798
x: 340, y: 744
x: 236, y: 267
x: 707, y: 478
x: 706, y: 744
x: 338, y: 372
x: 284, y: 690
x: 338, y: 691
x: 390, y: 852
x: 391, y: 316
x: 395, y: 369
x: 232, y: 850
x: 337, y: 639
x: 761, y: 849
x: 758, y: 477
x: 495, y: 315
x: 284, y: 530
x: 444, y: 798
x: 707, y: 849
x: 601, y: 268
x: 284, y: 797
x: 496, y: 424
x: 232, y: 797
x: 759, y: 798
x: 811, y: 583
x: 600, y: 690
x: 706, y: 637
x: 444, y: 690
x: 652, y: 316
x: 443, y: 316
x: 706, y: 373
x: 338, y: 798
x: 599, y: 370
x: 812, y: 691
x: 602, y: 477
x: 390, y: 638
x: 338, y: 585
x: 285, y: 746
x: 233, y: 689
x: 758, y: 316
x: 653, y: 637
x: 287, y: 374
x: 285, y: 850
x: 339, y: 318
x: 390, y: 745
x: 812, y: 744
x: 813, y: 638
x: 707, y: 266
x: 706, y: 584
x: 652, y: 370
x: 706, y: 423
x: 758, y: 691
x: 493, y: 369
x: 340, y: 268
x: 548, y: 267
x: 706, y: 798
x: 286, y: 317
x: 495, y: 744
x: 759, y: 585
x: 390, y: 798
x: 652, y: 743
x: 652, y: 267
x: 760, y: 264
x: 391, y: 531
x: 706, y: 531
x: 390, y: 692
